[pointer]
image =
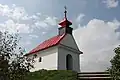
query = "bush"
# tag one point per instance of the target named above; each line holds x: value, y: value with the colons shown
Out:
x: 52, y: 75
x: 115, y: 65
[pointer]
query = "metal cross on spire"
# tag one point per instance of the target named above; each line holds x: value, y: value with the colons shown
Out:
x: 65, y: 12
x: 65, y: 22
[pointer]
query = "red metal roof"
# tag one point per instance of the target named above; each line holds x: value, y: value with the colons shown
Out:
x: 65, y: 23
x: 48, y: 43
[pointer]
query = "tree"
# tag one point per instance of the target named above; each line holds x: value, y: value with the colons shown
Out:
x: 115, y: 65
x: 13, y: 64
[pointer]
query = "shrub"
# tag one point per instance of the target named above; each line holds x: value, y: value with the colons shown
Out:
x: 52, y: 75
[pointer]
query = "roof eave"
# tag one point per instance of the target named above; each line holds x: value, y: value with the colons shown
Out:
x: 41, y: 50
x: 71, y: 49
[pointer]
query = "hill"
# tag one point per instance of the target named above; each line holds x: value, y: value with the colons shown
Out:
x: 52, y: 75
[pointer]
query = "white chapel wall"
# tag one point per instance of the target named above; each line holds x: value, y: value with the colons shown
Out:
x: 49, y: 59
x: 68, y: 40
x: 62, y: 53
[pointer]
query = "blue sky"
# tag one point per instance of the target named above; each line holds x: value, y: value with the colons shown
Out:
x: 96, y: 25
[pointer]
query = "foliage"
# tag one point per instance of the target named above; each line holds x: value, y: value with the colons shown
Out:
x: 115, y: 65
x: 13, y: 64
x: 52, y: 75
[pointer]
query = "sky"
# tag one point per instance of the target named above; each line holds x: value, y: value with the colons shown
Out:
x: 96, y: 26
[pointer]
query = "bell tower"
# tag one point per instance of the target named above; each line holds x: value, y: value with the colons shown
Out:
x: 65, y: 25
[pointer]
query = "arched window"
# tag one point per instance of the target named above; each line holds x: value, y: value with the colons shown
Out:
x: 40, y: 59
x: 35, y: 55
x: 69, y: 62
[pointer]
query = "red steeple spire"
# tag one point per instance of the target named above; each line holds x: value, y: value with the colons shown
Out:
x: 65, y: 22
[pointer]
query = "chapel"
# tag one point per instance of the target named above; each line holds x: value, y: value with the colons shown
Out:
x: 59, y: 52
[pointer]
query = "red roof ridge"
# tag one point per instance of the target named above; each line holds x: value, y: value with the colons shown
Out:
x: 48, y: 43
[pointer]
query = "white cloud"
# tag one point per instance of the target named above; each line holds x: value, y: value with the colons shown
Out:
x: 44, y: 33
x: 39, y: 14
x: 41, y: 24
x: 51, y: 20
x: 33, y: 36
x: 97, y: 40
x: 14, y: 15
x: 46, y: 23
x: 19, y: 19
x: 27, y: 43
x: 13, y: 12
x: 13, y: 27
x: 80, y: 17
x: 18, y: 13
x: 111, y: 3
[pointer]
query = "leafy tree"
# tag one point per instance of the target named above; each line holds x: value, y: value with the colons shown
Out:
x: 13, y: 64
x: 115, y: 65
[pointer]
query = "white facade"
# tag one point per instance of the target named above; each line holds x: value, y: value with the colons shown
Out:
x: 68, y: 47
